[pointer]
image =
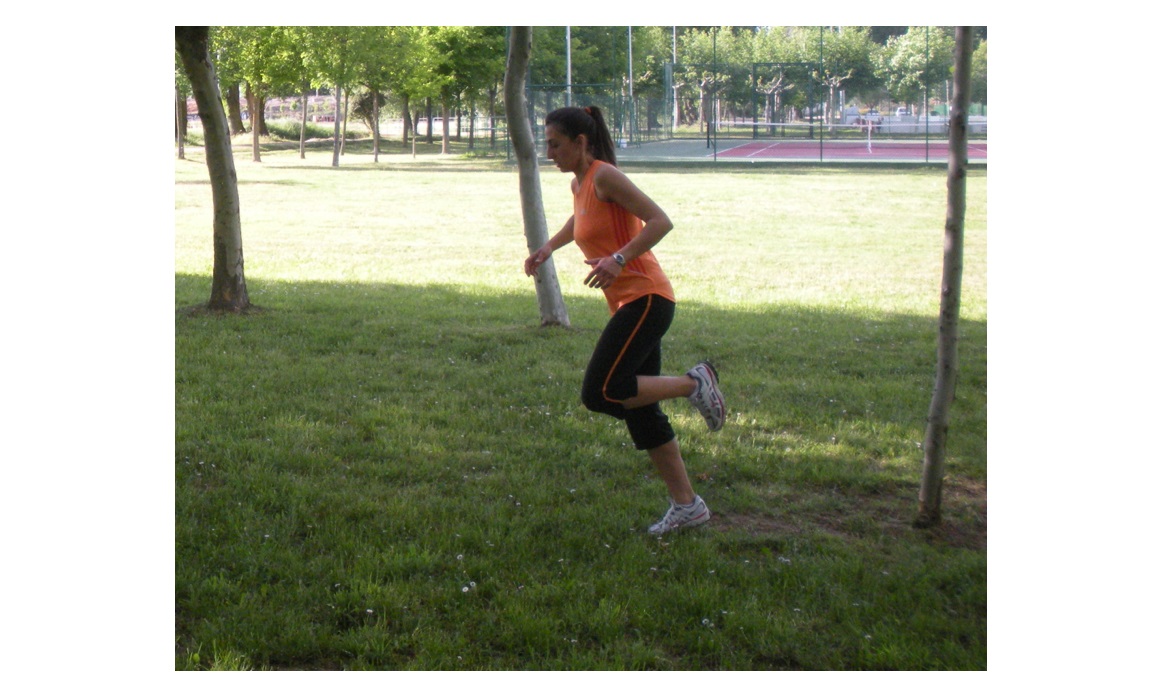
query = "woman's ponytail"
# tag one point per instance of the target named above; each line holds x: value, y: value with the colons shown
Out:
x: 601, y: 138
x: 573, y: 121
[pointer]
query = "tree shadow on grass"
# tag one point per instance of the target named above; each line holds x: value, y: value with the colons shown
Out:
x: 827, y: 407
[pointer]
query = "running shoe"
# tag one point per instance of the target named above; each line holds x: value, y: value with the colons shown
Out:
x: 679, y: 516
x: 707, y: 396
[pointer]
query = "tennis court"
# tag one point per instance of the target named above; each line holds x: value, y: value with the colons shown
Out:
x: 801, y: 150
x: 936, y: 150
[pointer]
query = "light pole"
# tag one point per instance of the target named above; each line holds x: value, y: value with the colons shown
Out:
x: 568, y: 58
x: 631, y: 101
x: 676, y: 101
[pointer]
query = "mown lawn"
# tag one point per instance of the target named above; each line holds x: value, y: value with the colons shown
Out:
x: 386, y: 466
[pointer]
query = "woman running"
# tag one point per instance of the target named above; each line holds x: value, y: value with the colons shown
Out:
x: 616, y: 226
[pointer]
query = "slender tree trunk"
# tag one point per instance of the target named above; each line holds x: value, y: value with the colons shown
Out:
x: 408, y: 126
x: 416, y: 116
x: 704, y: 110
x: 445, y: 146
x: 345, y: 117
x: 179, y: 106
x: 430, y: 130
x: 229, y: 281
x: 255, y: 127
x: 492, y: 94
x: 471, y: 128
x: 261, y: 111
x: 302, y: 131
x: 458, y: 118
x: 551, y: 301
x: 946, y: 374
x: 375, y: 121
x: 234, y: 102
x: 337, y: 125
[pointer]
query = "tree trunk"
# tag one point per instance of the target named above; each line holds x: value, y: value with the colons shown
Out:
x: 337, y: 124
x: 261, y: 115
x: 445, y: 146
x: 430, y: 131
x: 407, y: 124
x: 345, y: 117
x: 234, y: 102
x: 416, y: 116
x: 375, y: 121
x: 492, y: 94
x: 229, y: 281
x: 947, y: 370
x: 255, y: 126
x: 471, y: 128
x: 551, y: 301
x: 302, y: 131
x: 703, y: 110
x: 180, y: 122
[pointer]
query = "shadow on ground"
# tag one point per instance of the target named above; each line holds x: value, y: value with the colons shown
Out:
x: 826, y: 406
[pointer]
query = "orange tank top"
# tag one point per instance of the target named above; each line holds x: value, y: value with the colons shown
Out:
x: 600, y: 229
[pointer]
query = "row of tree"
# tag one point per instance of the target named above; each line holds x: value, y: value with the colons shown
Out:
x: 751, y: 71
x: 402, y: 64
x: 414, y: 71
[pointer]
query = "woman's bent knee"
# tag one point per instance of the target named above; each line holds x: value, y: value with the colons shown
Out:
x: 596, y: 401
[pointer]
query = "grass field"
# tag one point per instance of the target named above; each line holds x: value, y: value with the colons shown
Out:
x: 386, y: 465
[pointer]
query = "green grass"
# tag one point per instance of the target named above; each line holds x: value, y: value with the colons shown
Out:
x: 386, y: 466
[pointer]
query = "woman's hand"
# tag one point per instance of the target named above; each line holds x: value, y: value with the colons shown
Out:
x: 604, y: 272
x: 534, y: 260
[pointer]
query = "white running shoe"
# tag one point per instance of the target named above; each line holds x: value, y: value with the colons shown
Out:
x: 707, y: 396
x: 681, y: 517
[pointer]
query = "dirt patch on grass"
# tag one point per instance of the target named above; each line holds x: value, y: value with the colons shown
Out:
x: 872, y: 516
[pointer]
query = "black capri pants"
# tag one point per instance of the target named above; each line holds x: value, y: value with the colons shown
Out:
x: 630, y: 346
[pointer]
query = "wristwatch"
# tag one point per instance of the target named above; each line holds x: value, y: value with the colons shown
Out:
x: 619, y: 258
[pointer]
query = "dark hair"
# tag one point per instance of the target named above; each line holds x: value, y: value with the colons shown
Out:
x: 573, y: 121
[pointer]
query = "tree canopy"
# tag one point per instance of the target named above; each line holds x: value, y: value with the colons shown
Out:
x: 462, y: 66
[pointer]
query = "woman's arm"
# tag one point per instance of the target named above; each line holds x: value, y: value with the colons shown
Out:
x: 613, y: 186
x: 564, y: 236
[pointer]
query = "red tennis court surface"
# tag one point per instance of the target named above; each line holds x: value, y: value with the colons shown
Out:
x: 846, y: 150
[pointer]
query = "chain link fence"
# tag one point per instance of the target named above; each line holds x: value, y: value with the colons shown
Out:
x: 767, y: 102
